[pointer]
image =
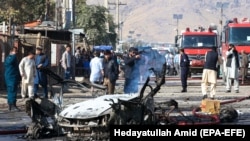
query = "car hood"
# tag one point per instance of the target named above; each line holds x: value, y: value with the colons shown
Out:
x: 94, y: 107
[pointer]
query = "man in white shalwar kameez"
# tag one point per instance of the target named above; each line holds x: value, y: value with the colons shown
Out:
x: 232, y: 65
x: 27, y: 70
x: 96, y: 70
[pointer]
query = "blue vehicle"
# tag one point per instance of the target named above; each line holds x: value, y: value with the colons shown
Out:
x: 103, y: 47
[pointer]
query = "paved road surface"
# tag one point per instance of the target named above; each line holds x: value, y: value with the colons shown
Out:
x: 171, y: 90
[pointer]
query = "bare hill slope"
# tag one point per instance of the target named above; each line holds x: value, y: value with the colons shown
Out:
x: 153, y: 19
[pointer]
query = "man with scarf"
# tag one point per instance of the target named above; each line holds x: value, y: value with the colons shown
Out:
x: 233, y: 66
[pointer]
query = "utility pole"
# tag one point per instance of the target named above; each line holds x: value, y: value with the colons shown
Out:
x: 117, y: 4
x: 221, y: 5
x: 73, y: 14
x: 57, y: 7
x: 47, y: 10
x: 177, y: 17
x: 106, y: 14
x: 73, y: 39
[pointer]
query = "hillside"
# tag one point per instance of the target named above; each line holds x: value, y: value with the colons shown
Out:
x: 153, y: 19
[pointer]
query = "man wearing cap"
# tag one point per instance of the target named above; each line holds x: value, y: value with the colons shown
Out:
x: 131, y: 71
x: 41, y: 61
x: 27, y: 70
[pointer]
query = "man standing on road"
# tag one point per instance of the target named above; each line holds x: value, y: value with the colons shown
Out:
x: 184, y: 64
x: 243, y: 66
x: 27, y: 68
x: 41, y: 61
x: 12, y: 78
x: 67, y: 62
x: 233, y: 65
x: 111, y: 71
x: 96, y: 70
x: 177, y: 63
x: 209, y: 75
x: 170, y: 62
x: 131, y: 71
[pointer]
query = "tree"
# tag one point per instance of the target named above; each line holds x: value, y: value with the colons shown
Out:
x: 93, y: 20
x: 21, y: 11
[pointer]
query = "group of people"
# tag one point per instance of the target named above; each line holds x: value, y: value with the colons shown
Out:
x: 81, y: 64
x: 179, y: 64
x: 105, y: 70
x: 173, y: 63
x: 28, y: 71
x: 235, y: 66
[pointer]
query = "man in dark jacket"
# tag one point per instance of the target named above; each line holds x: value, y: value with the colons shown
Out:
x: 184, y: 64
x: 131, y: 71
x: 209, y: 75
x: 111, y: 71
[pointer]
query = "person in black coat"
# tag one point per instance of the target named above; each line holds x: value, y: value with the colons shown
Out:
x: 184, y: 64
x: 209, y: 74
x: 111, y: 71
x: 131, y: 71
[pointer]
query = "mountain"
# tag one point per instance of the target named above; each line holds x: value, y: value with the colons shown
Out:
x: 153, y: 20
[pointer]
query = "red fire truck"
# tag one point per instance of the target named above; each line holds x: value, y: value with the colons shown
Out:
x: 235, y: 32
x: 196, y: 43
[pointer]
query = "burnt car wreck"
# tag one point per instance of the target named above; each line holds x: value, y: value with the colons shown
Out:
x: 91, y: 119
